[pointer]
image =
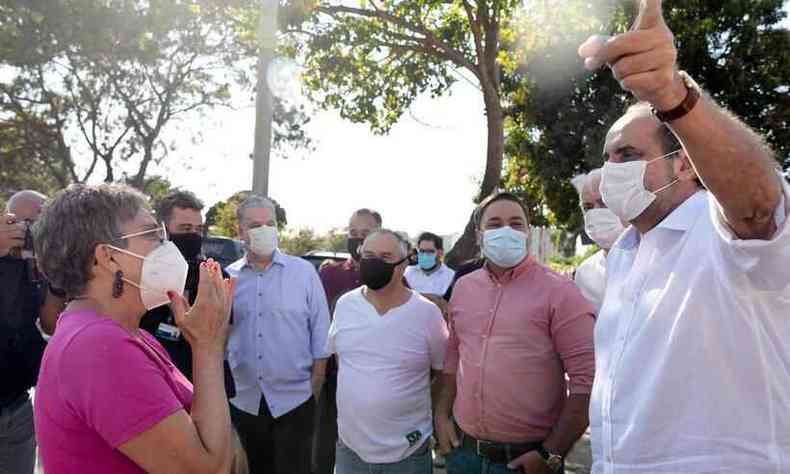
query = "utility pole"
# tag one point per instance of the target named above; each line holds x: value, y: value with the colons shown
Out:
x: 264, y: 101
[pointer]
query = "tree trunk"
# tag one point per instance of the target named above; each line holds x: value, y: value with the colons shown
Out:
x: 466, y: 248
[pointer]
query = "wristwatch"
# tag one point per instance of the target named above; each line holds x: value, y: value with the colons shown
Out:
x: 692, y: 97
x: 553, y: 461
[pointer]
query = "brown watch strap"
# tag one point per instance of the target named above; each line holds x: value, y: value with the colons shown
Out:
x: 692, y: 97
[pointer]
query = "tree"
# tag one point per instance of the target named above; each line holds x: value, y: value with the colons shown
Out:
x: 300, y: 242
x: 113, y: 76
x: 371, y: 61
x: 221, y: 217
x: 560, y: 115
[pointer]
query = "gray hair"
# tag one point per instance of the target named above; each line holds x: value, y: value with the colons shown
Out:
x: 28, y: 195
x: 403, y: 244
x: 580, y: 182
x: 77, y: 220
x: 255, y: 201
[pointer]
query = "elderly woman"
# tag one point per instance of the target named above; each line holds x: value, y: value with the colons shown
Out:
x: 109, y: 400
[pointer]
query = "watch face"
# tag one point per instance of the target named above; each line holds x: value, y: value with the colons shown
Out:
x: 554, y: 462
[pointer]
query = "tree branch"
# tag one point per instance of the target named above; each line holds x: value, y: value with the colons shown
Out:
x: 432, y: 43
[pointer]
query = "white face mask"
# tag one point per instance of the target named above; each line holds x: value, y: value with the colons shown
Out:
x: 623, y: 187
x: 603, y: 226
x: 504, y: 247
x: 262, y: 241
x: 164, y: 270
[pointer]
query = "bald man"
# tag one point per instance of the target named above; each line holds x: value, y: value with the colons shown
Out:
x: 24, y: 299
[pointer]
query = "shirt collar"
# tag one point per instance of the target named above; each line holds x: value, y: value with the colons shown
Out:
x: 685, y: 215
x: 512, y: 274
x: 277, y: 259
x: 680, y: 219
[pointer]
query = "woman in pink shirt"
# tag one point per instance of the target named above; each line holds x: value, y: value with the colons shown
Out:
x: 109, y: 400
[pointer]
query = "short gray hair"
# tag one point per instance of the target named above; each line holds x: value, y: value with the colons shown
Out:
x: 581, y: 182
x: 403, y: 244
x: 255, y: 201
x: 77, y: 220
x: 27, y: 194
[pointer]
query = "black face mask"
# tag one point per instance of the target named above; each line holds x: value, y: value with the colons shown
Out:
x: 189, y: 244
x: 352, y: 245
x: 375, y: 273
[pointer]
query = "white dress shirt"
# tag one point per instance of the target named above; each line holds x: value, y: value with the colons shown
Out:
x: 590, y: 277
x: 435, y: 283
x: 693, y: 349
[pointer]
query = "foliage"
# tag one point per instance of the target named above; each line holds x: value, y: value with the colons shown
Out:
x: 302, y: 241
x: 110, y: 77
x: 221, y: 217
x: 557, y: 124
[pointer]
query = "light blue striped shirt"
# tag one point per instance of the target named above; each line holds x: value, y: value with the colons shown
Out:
x: 280, y: 327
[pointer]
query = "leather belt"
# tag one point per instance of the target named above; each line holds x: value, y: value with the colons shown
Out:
x: 498, y: 453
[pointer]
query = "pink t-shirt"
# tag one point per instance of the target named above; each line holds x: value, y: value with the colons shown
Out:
x: 98, y: 388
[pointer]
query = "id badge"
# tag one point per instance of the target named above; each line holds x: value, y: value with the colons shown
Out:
x: 168, y: 332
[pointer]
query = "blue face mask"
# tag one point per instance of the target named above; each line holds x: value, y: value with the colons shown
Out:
x: 505, y: 247
x: 426, y: 260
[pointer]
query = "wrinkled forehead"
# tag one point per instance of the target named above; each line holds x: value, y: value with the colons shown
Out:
x: 382, y: 244
x: 637, y: 129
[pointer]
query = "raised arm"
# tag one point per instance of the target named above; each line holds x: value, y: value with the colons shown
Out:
x: 733, y: 161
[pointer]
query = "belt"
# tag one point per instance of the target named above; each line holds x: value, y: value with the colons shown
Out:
x: 14, y: 404
x: 498, y: 453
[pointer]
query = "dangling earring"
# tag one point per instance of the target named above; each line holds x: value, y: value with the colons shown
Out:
x: 117, y: 285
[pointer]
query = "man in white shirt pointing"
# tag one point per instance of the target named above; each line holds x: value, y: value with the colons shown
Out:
x: 387, y: 339
x: 693, y: 338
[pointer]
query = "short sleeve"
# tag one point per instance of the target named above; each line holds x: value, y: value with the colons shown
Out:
x: 571, y: 327
x: 452, y: 356
x: 766, y: 263
x: 437, y: 336
x: 330, y: 339
x: 113, y: 383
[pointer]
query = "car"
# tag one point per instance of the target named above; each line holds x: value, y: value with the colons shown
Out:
x: 222, y: 249
x: 317, y: 257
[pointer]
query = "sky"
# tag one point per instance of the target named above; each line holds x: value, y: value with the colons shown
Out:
x: 421, y: 176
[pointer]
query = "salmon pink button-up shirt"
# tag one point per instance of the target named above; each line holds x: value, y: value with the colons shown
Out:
x: 512, y: 341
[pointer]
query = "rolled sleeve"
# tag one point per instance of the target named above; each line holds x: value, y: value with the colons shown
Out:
x: 766, y: 263
x: 319, y: 317
x: 572, y: 323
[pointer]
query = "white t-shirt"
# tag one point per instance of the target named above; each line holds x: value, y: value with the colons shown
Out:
x: 384, y: 386
x: 692, y: 349
x: 591, y: 278
x: 434, y: 283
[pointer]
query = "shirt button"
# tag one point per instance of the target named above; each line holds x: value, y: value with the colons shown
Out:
x: 260, y: 335
x: 260, y: 294
x: 260, y: 377
x: 260, y: 357
x: 260, y: 314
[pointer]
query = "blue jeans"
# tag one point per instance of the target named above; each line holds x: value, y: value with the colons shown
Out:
x: 347, y: 462
x: 461, y: 461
